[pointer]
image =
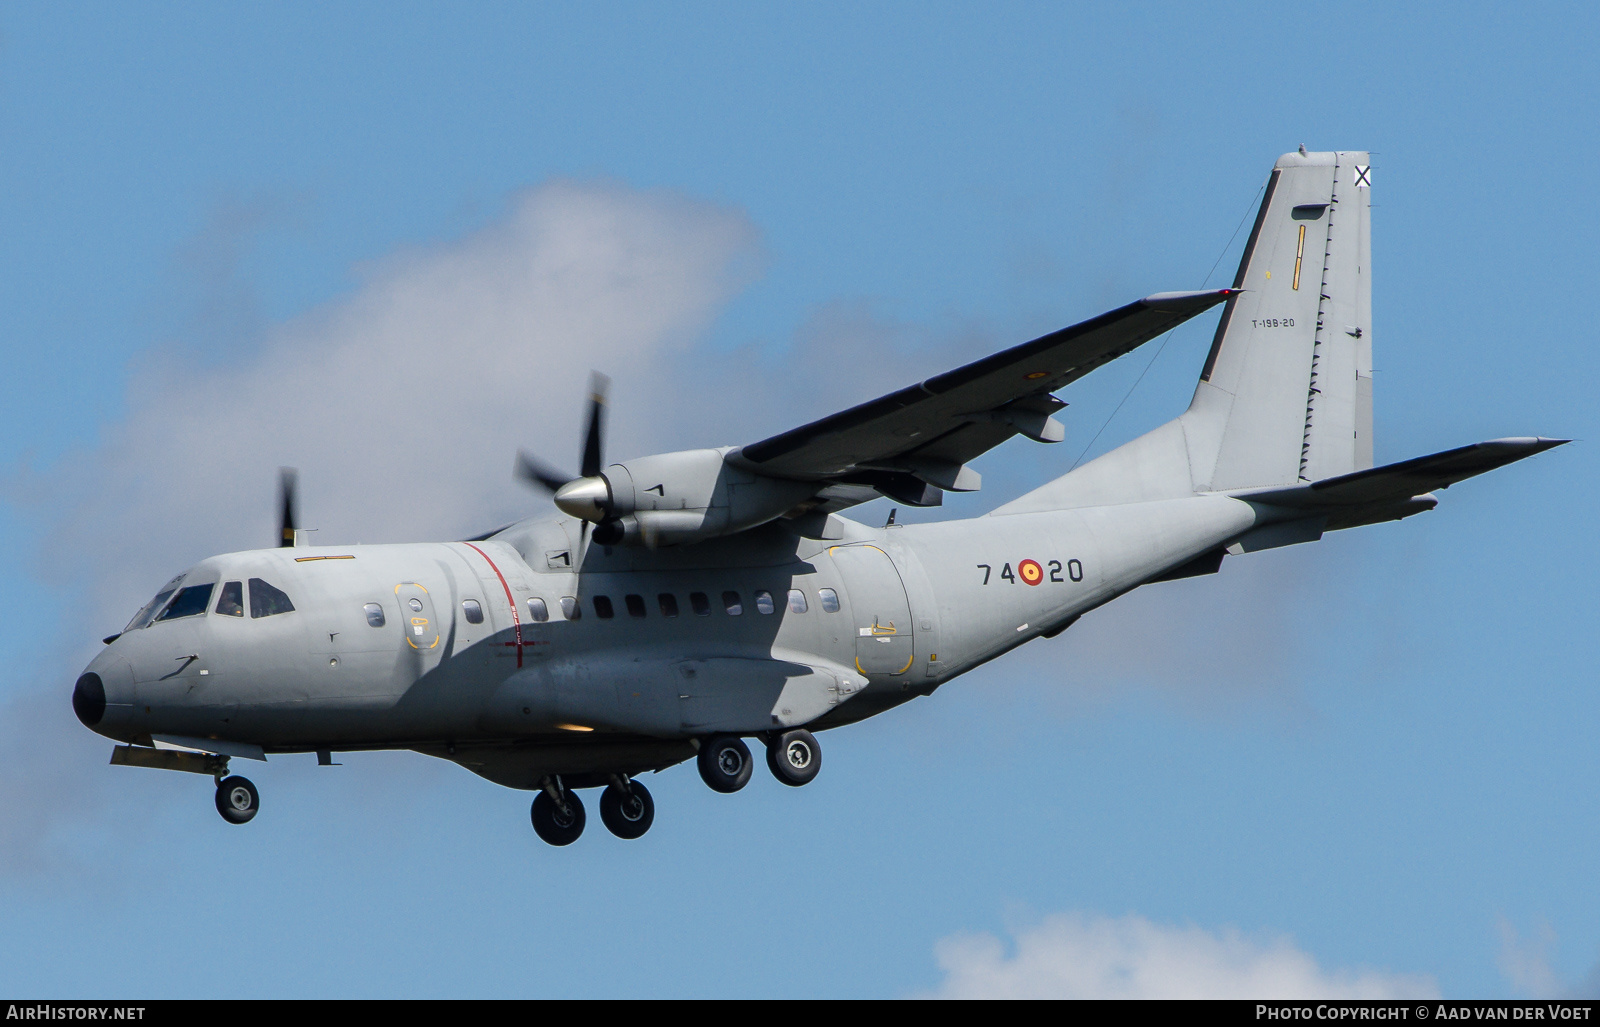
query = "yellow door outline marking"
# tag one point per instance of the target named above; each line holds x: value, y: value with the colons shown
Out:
x: 413, y: 620
x: 878, y: 630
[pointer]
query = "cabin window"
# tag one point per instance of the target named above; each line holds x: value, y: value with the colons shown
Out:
x: 797, y: 601
x: 732, y: 603
x: 830, y: 600
x: 231, y: 602
x: 537, y: 611
x: 700, y: 603
x: 570, y: 608
x: 473, y: 609
x: 190, y: 601
x: 602, y: 608
x: 669, y: 604
x: 374, y: 614
x: 635, y: 605
x: 764, y: 601
x: 265, y: 600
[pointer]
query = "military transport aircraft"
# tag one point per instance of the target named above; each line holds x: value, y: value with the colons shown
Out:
x: 686, y: 601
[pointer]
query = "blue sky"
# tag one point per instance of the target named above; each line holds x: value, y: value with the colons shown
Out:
x: 1375, y: 755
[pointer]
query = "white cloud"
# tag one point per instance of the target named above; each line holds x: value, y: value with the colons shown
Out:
x: 1079, y: 956
x: 402, y: 403
x: 1526, y: 964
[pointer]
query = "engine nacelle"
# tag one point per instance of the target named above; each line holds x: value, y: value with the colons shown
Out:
x: 675, y: 498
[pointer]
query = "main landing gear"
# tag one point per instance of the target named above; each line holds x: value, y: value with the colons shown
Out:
x: 794, y: 757
x: 626, y: 809
x: 237, y: 799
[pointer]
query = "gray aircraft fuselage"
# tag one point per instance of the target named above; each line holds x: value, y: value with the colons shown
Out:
x: 690, y: 600
x: 825, y: 632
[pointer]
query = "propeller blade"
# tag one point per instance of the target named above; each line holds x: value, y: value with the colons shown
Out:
x: 536, y: 472
x: 594, y: 438
x: 287, y: 478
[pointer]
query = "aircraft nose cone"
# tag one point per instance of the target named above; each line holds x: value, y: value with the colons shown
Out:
x: 585, y: 498
x: 89, y: 699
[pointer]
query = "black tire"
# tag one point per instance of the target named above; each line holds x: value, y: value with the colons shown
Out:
x: 554, y: 825
x: 237, y: 800
x: 725, y: 763
x: 627, y: 814
x: 794, y: 757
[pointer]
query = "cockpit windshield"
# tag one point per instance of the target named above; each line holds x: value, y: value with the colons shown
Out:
x: 147, y: 612
x: 191, y: 601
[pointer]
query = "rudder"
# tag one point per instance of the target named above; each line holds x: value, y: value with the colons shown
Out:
x: 1286, y: 392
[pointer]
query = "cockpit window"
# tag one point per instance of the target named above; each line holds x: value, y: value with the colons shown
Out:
x: 150, y: 609
x: 231, y: 602
x: 190, y: 601
x: 266, y: 600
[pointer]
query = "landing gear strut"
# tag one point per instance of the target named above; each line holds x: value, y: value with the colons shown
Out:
x: 237, y: 799
x: 725, y: 763
x: 794, y: 757
x: 626, y: 808
x: 557, y: 813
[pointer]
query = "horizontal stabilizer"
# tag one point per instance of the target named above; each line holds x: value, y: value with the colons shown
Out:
x: 1390, y: 488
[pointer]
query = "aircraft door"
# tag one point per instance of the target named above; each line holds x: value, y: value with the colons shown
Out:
x: 880, y: 612
x: 417, y: 618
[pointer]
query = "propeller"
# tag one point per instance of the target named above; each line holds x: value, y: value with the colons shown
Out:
x: 585, y: 496
x: 287, y: 478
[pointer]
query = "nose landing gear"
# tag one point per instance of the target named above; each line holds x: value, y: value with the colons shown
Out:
x: 237, y: 800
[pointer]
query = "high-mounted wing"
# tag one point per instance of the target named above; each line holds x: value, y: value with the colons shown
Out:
x: 912, y: 443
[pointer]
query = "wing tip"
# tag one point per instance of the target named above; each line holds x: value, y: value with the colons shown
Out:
x: 1196, y: 299
x: 1536, y: 443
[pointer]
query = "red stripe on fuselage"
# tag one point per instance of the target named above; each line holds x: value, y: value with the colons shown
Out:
x: 515, y: 620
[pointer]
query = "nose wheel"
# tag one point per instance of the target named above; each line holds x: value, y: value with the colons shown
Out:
x: 794, y: 757
x: 237, y: 800
x: 725, y: 763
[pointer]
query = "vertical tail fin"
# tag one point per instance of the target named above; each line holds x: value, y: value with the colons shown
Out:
x: 1286, y: 393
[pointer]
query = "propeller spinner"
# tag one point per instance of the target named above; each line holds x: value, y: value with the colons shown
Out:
x: 587, y: 496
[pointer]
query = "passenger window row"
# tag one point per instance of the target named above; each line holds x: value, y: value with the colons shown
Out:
x: 667, y: 604
x: 539, y: 611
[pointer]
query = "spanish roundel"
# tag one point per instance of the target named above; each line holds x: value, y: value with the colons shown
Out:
x: 1030, y: 571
